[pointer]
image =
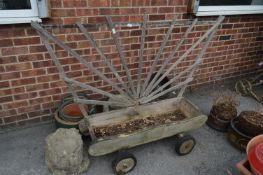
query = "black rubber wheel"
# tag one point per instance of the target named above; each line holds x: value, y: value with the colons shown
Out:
x: 184, y: 145
x: 124, y: 163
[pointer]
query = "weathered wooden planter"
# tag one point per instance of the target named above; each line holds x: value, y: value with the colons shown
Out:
x: 101, y: 146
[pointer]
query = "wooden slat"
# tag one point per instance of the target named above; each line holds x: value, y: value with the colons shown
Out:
x: 156, y: 59
x: 118, y: 47
x: 174, y: 65
x: 168, y: 60
x: 103, y: 56
x: 141, y: 56
x: 78, y: 57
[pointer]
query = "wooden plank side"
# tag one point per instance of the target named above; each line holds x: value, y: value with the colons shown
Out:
x: 131, y: 113
x: 145, y: 136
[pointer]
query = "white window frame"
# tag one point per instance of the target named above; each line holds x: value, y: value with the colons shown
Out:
x: 20, y: 16
x: 225, y: 10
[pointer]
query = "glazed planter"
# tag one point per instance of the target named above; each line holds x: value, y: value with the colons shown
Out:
x: 64, y: 124
x: 236, y: 137
x: 70, y: 111
x: 220, y: 116
x: 255, y: 154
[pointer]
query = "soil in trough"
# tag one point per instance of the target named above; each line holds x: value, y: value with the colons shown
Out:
x: 224, y: 111
x: 138, y: 124
x: 250, y: 123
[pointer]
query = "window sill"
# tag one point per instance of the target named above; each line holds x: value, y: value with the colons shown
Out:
x: 19, y: 20
x: 216, y: 13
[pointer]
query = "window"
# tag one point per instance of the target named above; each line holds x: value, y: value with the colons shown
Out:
x: 226, y: 7
x: 22, y: 11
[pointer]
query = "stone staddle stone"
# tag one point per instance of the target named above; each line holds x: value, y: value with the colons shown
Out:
x: 64, y: 152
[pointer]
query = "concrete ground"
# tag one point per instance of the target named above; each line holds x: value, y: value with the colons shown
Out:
x: 22, y: 151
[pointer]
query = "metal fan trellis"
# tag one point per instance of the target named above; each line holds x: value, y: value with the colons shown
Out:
x: 129, y: 93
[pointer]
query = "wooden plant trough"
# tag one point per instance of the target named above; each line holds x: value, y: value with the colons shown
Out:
x: 101, y: 146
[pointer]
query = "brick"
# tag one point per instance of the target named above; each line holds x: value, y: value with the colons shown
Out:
x: 14, y: 50
x: 36, y: 87
x: 158, y: 3
x: 27, y: 41
x: 156, y: 17
x: 40, y: 100
x: 137, y: 3
x: 87, y: 12
x: 63, y: 12
x: 16, y: 104
x: 31, y: 57
x: 47, y: 78
x: 4, y: 84
x: 74, y: 3
x: 259, y: 38
x: 25, y: 96
x: 166, y: 10
x: 18, y: 67
x: 37, y: 49
x: 6, y: 99
x: 29, y: 108
x: 6, y: 43
x: 38, y: 113
x: 8, y: 76
x: 10, y: 32
x: 9, y: 59
x: 99, y: 3
x: 23, y: 81
x: 41, y: 64
x: 50, y: 92
x: 10, y: 91
x: 56, y: 3
x: 34, y: 72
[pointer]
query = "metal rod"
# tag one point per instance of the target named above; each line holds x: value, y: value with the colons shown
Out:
x: 219, y: 20
x: 156, y: 59
x: 167, y: 61
x: 79, y: 58
x: 166, y: 91
x: 103, y: 56
x: 141, y: 56
x: 122, y: 58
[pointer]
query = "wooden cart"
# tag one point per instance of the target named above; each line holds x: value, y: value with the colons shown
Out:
x: 125, y: 162
x: 136, y: 97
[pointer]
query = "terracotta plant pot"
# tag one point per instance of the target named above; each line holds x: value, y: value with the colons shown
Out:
x: 70, y: 111
x: 254, y: 154
x: 236, y: 137
x: 220, y: 116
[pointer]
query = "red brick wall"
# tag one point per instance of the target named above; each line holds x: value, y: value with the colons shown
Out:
x: 30, y: 88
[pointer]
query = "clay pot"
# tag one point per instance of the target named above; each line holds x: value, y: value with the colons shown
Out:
x: 70, y: 111
x: 220, y: 116
x: 251, y: 123
x: 236, y: 137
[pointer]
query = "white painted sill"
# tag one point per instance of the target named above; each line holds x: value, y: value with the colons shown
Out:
x: 19, y: 20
